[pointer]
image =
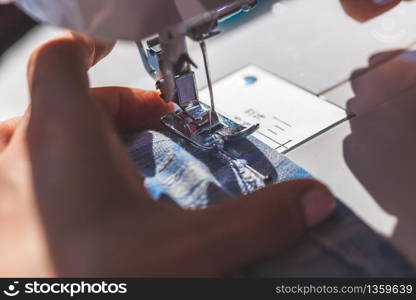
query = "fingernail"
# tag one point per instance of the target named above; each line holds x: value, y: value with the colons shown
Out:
x: 318, y: 204
x: 382, y: 2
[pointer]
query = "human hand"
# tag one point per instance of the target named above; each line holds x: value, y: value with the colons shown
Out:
x: 73, y: 205
x: 364, y: 10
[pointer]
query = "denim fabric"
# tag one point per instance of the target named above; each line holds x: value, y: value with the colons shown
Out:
x: 175, y: 171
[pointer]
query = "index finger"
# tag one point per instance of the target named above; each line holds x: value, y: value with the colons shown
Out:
x: 364, y: 10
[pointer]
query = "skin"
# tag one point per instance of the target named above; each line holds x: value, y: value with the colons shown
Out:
x: 365, y: 10
x: 72, y: 203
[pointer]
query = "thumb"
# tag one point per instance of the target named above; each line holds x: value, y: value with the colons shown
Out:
x: 261, y: 224
x: 59, y: 85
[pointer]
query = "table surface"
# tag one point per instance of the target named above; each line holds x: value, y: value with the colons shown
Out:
x: 369, y: 69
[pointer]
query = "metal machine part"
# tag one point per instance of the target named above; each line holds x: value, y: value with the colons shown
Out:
x: 165, y: 56
x: 166, y: 59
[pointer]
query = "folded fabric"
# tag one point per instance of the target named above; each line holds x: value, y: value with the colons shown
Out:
x: 175, y: 171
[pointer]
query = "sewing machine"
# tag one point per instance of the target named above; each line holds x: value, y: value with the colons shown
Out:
x: 164, y: 53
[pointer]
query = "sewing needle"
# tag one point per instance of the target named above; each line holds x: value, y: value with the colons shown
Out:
x: 208, y: 74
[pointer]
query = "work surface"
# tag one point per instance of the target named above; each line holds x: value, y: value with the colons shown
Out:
x: 368, y: 69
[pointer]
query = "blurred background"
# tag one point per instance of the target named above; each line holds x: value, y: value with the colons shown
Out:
x: 13, y: 25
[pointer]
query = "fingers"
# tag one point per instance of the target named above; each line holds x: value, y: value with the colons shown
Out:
x: 60, y: 93
x: 364, y: 10
x: 261, y: 224
x: 71, y: 144
x: 7, y: 129
x: 132, y: 109
x: 58, y: 80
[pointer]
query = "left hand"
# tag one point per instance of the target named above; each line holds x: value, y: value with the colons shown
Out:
x: 72, y: 203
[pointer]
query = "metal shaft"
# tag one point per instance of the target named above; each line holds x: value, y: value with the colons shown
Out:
x: 209, y: 81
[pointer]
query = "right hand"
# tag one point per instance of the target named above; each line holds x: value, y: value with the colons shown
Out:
x: 364, y: 10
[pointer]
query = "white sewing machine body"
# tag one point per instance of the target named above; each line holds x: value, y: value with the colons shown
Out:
x: 121, y: 19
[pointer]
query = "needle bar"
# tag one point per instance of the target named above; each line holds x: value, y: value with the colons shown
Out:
x: 209, y: 81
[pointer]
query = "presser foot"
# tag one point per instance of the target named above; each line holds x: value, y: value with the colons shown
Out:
x: 204, y: 130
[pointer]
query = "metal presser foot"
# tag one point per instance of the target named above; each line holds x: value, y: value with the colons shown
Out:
x: 203, y: 128
x: 195, y: 127
x: 166, y: 60
x: 195, y: 122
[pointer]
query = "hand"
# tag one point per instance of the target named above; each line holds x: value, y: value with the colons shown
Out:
x: 364, y: 10
x: 72, y: 204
